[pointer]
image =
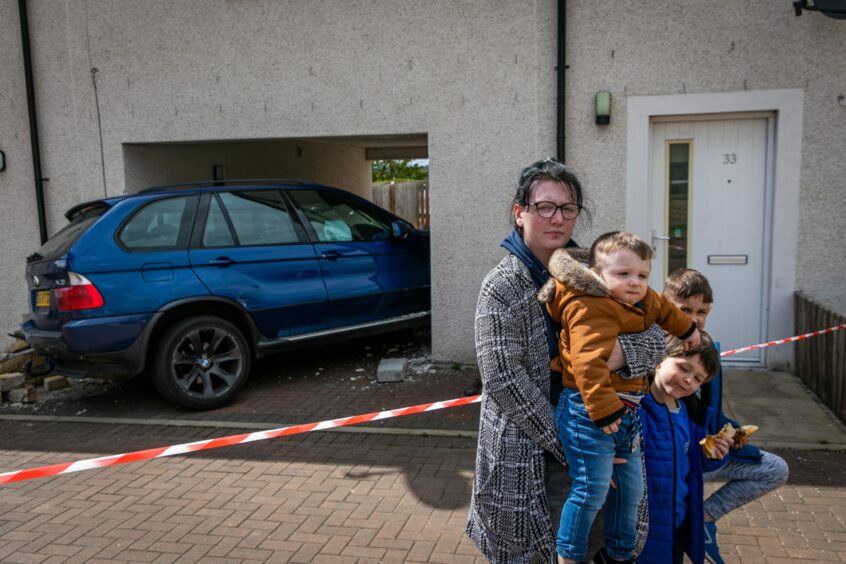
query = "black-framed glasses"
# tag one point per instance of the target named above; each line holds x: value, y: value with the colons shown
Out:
x: 547, y: 209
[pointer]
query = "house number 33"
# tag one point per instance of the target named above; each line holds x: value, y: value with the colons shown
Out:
x: 729, y: 158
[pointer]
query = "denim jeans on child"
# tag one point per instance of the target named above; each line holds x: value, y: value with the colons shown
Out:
x: 590, y: 453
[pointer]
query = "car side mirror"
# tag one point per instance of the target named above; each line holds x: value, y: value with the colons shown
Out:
x: 399, y: 229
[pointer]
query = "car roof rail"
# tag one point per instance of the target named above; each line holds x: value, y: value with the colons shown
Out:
x: 215, y: 183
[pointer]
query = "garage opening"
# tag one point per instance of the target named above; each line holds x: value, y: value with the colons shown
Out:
x: 341, y: 162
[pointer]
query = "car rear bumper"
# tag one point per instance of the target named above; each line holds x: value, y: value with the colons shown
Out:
x: 102, y: 347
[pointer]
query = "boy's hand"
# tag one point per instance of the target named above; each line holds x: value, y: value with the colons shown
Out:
x: 693, y: 341
x: 722, y: 447
x: 611, y: 428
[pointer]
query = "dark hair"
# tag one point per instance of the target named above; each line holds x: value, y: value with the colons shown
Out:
x: 612, y: 241
x: 548, y: 169
x: 685, y: 283
x: 706, y: 351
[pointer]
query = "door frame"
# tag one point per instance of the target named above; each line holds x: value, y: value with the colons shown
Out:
x: 783, y: 176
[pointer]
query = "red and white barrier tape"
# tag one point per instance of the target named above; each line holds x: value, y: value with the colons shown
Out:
x: 149, y: 454
x: 787, y: 340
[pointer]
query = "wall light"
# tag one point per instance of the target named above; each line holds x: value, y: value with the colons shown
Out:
x: 603, y: 107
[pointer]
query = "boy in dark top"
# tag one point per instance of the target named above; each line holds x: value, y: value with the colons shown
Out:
x: 675, y: 461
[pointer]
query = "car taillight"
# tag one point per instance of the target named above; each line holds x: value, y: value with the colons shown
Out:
x: 79, y: 294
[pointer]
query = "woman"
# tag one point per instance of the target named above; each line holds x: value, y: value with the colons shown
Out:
x: 515, y: 340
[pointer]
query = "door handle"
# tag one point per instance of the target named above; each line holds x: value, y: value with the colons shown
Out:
x: 331, y: 255
x: 221, y: 261
x: 656, y: 237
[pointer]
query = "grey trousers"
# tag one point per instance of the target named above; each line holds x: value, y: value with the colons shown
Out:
x: 744, y: 483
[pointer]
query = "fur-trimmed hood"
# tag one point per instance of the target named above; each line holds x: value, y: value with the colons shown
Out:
x: 568, y: 267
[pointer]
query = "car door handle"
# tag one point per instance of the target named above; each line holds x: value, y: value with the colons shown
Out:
x: 221, y: 261
x: 331, y: 255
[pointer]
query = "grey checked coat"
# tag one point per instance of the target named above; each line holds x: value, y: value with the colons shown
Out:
x: 509, y: 515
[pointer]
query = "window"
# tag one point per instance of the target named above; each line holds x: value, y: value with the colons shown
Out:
x: 60, y: 243
x: 678, y: 204
x: 336, y: 218
x: 162, y: 224
x: 217, y: 232
x: 250, y: 218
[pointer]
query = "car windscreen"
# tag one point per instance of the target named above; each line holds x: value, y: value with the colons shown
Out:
x: 59, y: 244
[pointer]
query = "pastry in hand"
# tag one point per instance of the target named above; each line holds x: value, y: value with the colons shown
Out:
x: 730, y: 434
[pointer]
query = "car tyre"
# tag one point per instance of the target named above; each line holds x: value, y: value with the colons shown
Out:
x: 201, y: 363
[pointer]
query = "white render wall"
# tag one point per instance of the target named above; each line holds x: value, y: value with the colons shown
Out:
x: 476, y: 77
x: 666, y: 47
x: 18, y: 219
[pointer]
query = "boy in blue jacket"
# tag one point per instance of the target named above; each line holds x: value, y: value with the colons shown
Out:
x: 749, y: 472
x: 675, y: 461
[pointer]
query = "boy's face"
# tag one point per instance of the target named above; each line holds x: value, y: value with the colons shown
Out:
x: 695, y: 307
x: 625, y: 274
x: 679, y: 377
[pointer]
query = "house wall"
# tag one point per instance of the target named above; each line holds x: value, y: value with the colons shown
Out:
x: 670, y: 48
x: 476, y: 77
x: 18, y: 219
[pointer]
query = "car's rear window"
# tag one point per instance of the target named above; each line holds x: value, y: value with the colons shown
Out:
x: 59, y: 244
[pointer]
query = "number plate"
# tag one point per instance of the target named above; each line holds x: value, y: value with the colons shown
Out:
x: 42, y: 298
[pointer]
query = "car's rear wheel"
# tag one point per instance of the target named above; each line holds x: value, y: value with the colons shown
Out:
x: 201, y: 363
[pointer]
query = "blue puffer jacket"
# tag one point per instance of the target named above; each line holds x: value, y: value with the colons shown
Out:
x: 660, y: 452
x: 712, y: 395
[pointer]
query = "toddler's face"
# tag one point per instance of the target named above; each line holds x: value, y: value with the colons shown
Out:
x: 625, y: 274
x: 679, y: 377
x: 695, y: 307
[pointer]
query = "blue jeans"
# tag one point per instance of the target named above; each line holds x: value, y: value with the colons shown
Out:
x: 590, y: 453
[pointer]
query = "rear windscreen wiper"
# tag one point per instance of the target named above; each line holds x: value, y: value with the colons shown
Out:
x: 33, y: 257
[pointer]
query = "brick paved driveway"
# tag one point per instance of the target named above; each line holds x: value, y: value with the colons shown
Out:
x: 322, y: 497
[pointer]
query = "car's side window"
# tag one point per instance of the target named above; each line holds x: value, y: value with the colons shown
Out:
x: 336, y: 218
x: 217, y: 232
x: 258, y: 218
x: 160, y: 225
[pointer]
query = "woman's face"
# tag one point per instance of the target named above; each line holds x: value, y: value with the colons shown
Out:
x: 543, y: 236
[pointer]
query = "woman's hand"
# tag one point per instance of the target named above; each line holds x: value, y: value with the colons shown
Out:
x: 613, y: 427
x: 617, y: 360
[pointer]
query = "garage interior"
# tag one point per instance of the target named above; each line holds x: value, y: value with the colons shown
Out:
x: 342, y: 162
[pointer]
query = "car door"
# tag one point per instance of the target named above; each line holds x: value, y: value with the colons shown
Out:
x: 252, y: 250
x: 370, y: 274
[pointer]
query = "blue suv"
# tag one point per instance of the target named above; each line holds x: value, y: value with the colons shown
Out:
x: 190, y: 283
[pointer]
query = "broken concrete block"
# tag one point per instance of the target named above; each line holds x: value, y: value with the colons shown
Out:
x: 392, y: 369
x: 52, y: 383
x: 23, y: 395
x: 18, y: 345
x: 11, y: 381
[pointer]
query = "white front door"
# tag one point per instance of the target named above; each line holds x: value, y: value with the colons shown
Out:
x: 709, y: 210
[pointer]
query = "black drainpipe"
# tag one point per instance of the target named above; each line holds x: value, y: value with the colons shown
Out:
x: 562, y: 67
x: 33, y: 123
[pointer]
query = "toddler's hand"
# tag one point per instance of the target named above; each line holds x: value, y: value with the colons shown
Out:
x: 611, y: 428
x: 693, y: 341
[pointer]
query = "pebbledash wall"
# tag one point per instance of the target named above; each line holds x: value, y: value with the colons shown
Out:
x: 722, y: 55
x: 475, y: 78
x: 249, y: 81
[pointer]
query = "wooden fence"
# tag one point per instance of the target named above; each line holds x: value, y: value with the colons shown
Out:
x: 821, y: 361
x: 409, y: 200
